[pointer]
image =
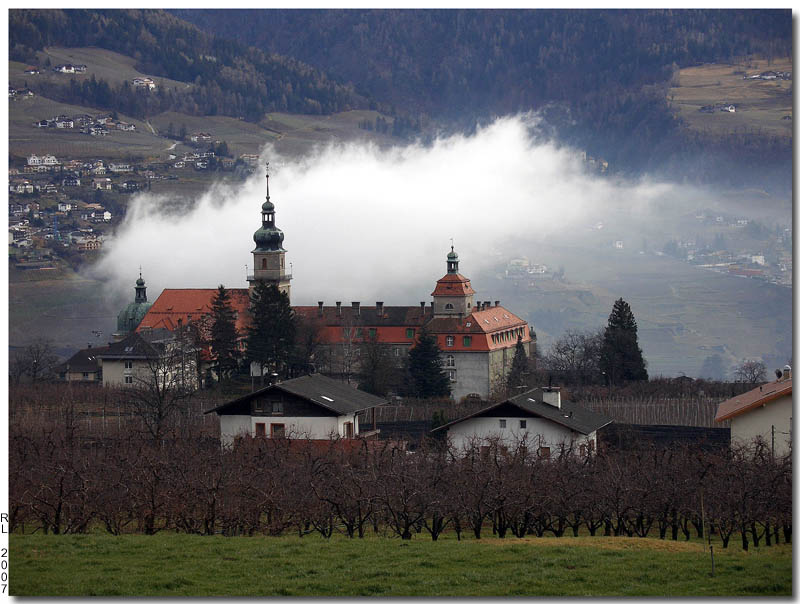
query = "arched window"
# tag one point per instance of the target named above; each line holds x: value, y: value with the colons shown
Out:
x: 448, y: 306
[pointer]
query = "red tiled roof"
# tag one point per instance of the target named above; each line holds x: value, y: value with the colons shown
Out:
x: 390, y: 328
x: 752, y: 399
x: 453, y: 285
x: 174, y: 305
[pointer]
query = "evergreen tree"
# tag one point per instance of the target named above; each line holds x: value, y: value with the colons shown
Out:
x: 519, y: 368
x: 621, y: 358
x: 223, y: 334
x: 428, y: 379
x: 270, y: 336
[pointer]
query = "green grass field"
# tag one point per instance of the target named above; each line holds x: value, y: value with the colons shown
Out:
x: 185, y: 565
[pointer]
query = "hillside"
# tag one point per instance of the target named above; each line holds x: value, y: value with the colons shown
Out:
x: 226, y: 78
x: 601, y: 77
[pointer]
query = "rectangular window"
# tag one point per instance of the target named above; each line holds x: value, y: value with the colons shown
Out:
x: 397, y: 352
x: 544, y: 452
x: 409, y: 333
x: 523, y: 424
x: 128, y: 364
x: 583, y: 450
x: 452, y: 375
x: 348, y: 429
x: 359, y: 332
x: 85, y: 375
x: 277, y: 430
x: 129, y: 379
x: 467, y: 341
x: 261, y: 429
x: 450, y: 341
x: 277, y: 407
x: 502, y: 423
x: 373, y: 332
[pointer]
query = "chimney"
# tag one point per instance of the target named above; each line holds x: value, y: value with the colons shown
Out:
x: 552, y: 396
x: 356, y: 308
x: 497, y: 302
x: 339, y: 309
x: 422, y: 307
x: 487, y: 304
x: 320, y: 303
x: 379, y: 309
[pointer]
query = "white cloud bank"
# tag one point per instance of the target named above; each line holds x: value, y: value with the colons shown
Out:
x: 364, y: 223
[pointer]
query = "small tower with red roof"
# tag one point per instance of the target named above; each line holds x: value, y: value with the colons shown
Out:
x: 453, y: 296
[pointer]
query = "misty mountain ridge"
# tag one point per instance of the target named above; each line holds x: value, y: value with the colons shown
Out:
x: 599, y: 77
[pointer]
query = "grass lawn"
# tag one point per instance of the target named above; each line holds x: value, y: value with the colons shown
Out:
x: 186, y: 565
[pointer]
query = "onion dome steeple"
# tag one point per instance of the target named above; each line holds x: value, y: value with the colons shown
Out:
x: 268, y: 238
x: 129, y: 317
x: 141, y: 290
x: 452, y: 262
x: 269, y: 257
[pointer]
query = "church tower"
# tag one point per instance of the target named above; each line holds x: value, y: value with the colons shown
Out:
x: 129, y: 317
x: 453, y: 294
x: 269, y: 257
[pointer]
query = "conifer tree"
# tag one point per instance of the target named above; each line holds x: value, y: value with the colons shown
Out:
x: 428, y: 379
x: 270, y: 336
x: 519, y: 368
x: 223, y: 334
x: 621, y: 358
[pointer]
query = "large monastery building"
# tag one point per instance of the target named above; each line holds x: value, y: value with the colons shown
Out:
x: 477, y: 338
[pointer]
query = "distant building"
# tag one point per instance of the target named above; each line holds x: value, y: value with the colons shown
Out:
x: 145, y: 83
x: 83, y: 366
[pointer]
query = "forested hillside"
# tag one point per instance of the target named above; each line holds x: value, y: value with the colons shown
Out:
x: 226, y: 77
x: 601, y: 75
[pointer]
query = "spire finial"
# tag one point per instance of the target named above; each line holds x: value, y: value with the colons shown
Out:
x: 452, y: 249
x: 267, y: 181
x: 140, y: 271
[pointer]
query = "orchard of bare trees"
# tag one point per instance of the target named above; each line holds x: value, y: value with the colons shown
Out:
x: 66, y: 478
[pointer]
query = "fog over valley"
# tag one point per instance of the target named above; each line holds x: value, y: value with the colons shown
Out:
x: 368, y: 223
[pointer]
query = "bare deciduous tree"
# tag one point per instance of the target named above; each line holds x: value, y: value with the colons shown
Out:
x: 751, y: 372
